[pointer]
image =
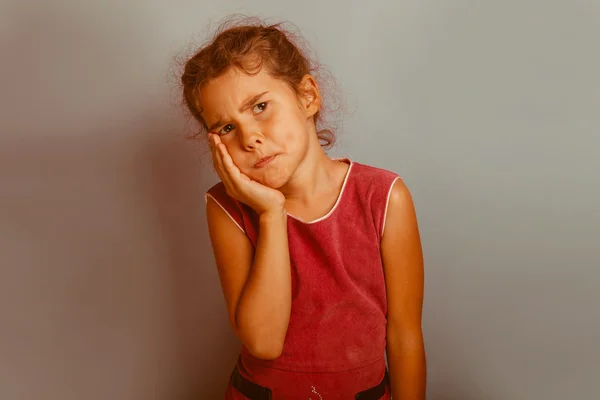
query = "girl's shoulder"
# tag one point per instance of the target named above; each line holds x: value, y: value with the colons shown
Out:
x: 370, y: 193
x: 366, y: 170
x: 372, y: 178
x: 233, y: 208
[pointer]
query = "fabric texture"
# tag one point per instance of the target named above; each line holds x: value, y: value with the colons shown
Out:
x: 335, y: 343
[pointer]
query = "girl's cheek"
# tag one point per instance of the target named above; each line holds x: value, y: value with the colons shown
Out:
x: 236, y: 158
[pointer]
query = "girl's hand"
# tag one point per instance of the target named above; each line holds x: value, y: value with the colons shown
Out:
x: 239, y: 186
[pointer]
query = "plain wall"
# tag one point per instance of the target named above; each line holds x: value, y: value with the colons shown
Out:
x: 489, y: 111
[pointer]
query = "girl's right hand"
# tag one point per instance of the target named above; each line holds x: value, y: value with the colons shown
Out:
x: 239, y: 186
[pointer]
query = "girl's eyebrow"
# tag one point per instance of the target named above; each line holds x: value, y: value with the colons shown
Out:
x: 215, y: 125
x: 251, y: 101
x: 245, y: 105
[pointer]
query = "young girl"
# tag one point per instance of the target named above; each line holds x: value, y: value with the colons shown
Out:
x: 319, y: 259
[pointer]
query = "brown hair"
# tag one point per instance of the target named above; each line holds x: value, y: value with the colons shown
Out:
x: 248, y: 44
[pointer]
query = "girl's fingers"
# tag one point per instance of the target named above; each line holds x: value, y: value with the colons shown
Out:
x: 226, y: 159
x: 223, y: 163
x: 217, y: 159
x: 211, y: 144
x: 224, y: 156
x: 230, y: 169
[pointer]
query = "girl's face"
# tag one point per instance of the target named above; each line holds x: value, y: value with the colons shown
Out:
x: 266, y: 129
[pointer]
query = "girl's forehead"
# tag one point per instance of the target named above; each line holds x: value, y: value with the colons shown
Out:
x: 239, y: 82
x: 234, y: 87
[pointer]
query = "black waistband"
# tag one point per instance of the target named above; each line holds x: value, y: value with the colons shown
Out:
x: 254, y: 391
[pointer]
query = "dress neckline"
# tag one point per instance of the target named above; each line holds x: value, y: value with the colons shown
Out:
x: 339, y: 198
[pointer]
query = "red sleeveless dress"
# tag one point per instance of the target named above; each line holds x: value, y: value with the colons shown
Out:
x: 335, y: 343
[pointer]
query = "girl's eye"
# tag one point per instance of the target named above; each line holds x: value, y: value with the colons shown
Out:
x: 260, y: 107
x: 226, y: 129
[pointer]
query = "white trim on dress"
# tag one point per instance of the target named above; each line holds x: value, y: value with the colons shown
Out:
x: 387, y: 203
x: 207, y: 195
x: 336, y: 202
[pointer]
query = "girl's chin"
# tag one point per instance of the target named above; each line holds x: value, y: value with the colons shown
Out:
x: 271, y: 182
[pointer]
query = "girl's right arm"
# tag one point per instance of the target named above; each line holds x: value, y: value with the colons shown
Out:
x: 256, y: 282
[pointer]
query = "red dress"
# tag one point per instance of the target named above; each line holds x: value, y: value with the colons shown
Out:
x: 335, y: 343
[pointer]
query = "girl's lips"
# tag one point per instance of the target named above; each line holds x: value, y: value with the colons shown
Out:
x: 261, y: 163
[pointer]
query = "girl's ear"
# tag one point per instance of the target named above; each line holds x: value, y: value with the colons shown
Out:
x: 311, y: 97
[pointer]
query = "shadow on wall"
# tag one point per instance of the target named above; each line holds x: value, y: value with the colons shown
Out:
x: 108, y: 279
x: 206, y: 346
x: 108, y: 288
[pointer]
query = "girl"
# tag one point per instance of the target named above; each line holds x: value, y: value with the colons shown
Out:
x: 319, y: 259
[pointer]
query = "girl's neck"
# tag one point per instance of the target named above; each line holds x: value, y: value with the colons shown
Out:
x: 316, y: 175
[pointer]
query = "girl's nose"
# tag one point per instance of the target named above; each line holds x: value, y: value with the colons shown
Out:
x: 251, y: 138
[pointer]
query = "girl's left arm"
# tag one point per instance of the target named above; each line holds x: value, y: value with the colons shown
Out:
x: 402, y: 257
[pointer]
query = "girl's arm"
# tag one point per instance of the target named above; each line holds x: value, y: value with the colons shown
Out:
x: 256, y: 285
x: 403, y: 266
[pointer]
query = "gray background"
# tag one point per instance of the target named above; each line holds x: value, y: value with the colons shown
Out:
x: 488, y: 109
